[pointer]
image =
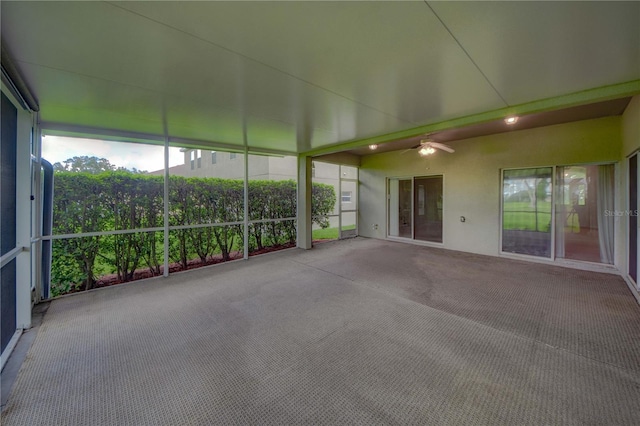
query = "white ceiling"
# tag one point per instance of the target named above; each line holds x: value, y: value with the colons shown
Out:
x: 301, y: 76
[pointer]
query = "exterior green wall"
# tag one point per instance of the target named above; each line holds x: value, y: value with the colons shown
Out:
x: 472, y: 184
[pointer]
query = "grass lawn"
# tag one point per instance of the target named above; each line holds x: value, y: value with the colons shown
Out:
x: 329, y: 233
x: 521, y: 216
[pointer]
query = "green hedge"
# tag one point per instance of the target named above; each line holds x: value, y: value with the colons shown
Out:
x: 120, y: 200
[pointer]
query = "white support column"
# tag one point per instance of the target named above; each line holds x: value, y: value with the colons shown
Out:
x: 36, y: 210
x: 304, y: 233
x: 165, y: 272
x: 23, y: 220
x: 339, y: 201
x: 246, y: 200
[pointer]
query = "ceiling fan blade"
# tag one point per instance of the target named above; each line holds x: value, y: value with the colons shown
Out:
x: 442, y: 147
x: 409, y: 149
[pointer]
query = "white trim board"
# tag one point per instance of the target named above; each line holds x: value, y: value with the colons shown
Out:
x: 9, y: 349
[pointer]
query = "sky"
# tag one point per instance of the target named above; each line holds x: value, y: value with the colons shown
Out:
x: 121, y: 154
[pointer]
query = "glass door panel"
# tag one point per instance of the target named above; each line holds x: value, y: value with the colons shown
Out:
x: 633, y: 218
x: 583, y: 229
x: 400, y: 208
x: 526, y: 211
x: 427, y: 209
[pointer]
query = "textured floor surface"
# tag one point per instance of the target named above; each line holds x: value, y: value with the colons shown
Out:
x: 353, y: 332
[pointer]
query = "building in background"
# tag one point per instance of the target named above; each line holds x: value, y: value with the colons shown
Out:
x: 230, y: 165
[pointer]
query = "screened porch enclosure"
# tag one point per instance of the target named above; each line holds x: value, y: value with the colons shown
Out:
x: 222, y: 125
x: 337, y: 219
x: 8, y: 214
x: 124, y: 216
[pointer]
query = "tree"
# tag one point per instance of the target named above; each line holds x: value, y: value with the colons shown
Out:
x: 323, y: 201
x: 78, y: 207
x: 134, y: 202
x: 93, y: 165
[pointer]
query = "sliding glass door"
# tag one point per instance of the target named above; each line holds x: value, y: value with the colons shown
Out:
x: 415, y: 208
x: 582, y: 198
x: 584, y: 218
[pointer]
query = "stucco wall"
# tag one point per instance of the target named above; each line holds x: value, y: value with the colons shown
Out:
x: 631, y: 127
x: 630, y: 144
x: 472, y: 184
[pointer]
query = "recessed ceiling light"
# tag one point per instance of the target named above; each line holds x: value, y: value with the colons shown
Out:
x: 373, y: 146
x: 511, y: 120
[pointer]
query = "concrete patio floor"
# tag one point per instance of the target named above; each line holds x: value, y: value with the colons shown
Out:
x: 358, y: 331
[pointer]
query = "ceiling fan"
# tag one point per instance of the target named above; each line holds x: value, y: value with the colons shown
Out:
x: 427, y: 147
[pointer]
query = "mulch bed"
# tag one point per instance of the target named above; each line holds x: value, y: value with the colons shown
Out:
x: 142, y: 273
